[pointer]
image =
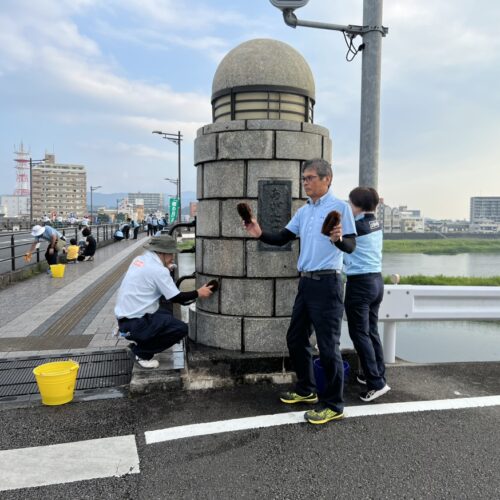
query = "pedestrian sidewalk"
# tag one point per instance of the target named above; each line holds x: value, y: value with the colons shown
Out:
x: 45, y: 315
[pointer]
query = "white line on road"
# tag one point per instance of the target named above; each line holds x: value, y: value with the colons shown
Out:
x: 239, y: 424
x: 68, y: 462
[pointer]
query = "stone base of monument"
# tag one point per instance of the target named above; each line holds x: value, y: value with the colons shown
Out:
x: 210, y: 368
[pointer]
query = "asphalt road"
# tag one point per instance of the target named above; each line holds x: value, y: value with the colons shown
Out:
x: 440, y: 454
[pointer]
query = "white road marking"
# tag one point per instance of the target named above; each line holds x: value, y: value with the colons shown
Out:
x: 261, y: 421
x: 68, y: 462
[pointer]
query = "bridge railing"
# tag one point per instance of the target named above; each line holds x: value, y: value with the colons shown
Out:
x: 419, y: 302
x: 10, y: 241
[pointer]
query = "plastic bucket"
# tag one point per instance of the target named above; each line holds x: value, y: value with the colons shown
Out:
x: 57, y: 270
x: 56, y: 381
x: 319, y: 374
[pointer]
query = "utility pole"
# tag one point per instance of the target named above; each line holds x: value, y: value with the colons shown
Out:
x: 370, y: 95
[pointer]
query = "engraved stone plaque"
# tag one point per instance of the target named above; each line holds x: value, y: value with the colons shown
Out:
x: 275, y: 209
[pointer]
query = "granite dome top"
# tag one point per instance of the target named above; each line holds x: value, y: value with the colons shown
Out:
x: 264, y: 62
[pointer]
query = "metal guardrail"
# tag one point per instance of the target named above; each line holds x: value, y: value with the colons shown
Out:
x: 423, y: 303
x: 101, y: 232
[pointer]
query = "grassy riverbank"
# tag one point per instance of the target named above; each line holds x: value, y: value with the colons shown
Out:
x: 442, y: 247
x: 186, y: 245
x: 419, y: 279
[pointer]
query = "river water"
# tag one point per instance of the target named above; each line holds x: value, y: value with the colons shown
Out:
x: 433, y: 341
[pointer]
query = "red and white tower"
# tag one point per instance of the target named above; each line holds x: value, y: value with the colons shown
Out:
x: 22, y: 172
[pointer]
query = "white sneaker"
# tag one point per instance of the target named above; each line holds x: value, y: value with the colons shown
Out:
x: 147, y: 363
x: 374, y: 394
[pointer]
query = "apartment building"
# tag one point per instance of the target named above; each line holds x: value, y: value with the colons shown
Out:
x: 59, y: 189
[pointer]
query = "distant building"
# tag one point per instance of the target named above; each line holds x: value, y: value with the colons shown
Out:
x: 15, y: 206
x: 388, y: 217
x: 484, y: 208
x: 410, y: 221
x: 446, y: 226
x: 152, y: 202
x: 125, y: 207
x: 485, y: 227
x: 59, y: 189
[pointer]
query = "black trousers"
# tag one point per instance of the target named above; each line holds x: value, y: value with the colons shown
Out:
x: 319, y: 304
x: 136, y: 232
x: 153, y: 333
x: 51, y: 258
x: 364, y: 293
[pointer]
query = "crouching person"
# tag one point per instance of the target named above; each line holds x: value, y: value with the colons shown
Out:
x: 151, y: 328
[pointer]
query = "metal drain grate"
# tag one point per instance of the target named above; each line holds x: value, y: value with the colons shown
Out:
x: 97, y: 370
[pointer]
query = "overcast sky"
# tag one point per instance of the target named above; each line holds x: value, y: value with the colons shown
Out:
x: 90, y: 79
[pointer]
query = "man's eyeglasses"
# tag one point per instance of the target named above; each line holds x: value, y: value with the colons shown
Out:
x: 309, y: 178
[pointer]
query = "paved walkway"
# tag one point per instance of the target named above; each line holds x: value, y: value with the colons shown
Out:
x: 45, y: 315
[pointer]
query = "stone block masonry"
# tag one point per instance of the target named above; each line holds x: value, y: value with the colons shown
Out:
x: 251, y: 311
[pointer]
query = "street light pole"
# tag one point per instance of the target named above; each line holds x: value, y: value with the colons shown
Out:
x: 372, y: 32
x: 92, y: 189
x: 176, y: 139
x: 32, y: 163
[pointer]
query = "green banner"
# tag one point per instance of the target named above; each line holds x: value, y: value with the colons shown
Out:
x: 173, y: 209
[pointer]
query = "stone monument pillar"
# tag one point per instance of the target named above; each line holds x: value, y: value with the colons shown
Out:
x: 263, y: 100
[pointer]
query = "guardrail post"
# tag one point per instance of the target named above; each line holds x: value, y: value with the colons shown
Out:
x: 13, y: 253
x: 390, y: 341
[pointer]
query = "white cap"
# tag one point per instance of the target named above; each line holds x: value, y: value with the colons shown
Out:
x: 37, y: 230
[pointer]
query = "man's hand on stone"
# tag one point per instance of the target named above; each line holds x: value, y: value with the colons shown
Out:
x: 253, y: 229
x: 204, y: 292
x: 336, y: 233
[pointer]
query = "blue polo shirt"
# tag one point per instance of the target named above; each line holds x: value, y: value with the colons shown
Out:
x: 316, y: 250
x: 367, y: 257
x: 47, y: 234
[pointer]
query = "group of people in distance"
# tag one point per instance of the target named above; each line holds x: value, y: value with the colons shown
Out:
x: 154, y: 224
x: 81, y: 250
x: 353, y: 246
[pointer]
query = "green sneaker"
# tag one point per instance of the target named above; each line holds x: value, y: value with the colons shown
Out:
x: 292, y: 398
x: 322, y: 416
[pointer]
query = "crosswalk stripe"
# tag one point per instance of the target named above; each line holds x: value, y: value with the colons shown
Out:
x: 261, y: 421
x: 68, y: 462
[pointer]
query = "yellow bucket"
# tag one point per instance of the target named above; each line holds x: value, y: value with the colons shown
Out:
x: 58, y: 270
x: 56, y: 381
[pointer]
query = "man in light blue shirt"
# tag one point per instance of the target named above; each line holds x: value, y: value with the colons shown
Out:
x: 319, y: 298
x: 56, y: 242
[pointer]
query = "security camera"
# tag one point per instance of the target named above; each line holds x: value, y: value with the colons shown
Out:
x: 289, y: 4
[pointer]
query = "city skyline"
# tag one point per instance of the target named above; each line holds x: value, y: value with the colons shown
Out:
x: 90, y: 82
